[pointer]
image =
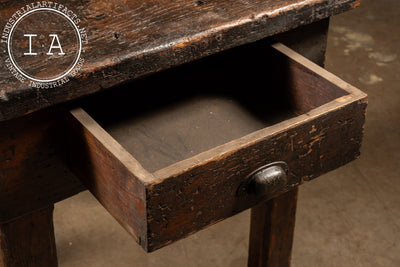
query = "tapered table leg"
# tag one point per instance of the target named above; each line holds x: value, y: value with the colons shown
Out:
x: 29, y: 240
x: 271, y: 231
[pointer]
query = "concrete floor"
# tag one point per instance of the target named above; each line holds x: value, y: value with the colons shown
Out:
x: 349, y: 217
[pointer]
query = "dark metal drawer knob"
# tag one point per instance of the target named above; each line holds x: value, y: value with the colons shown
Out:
x: 266, y: 180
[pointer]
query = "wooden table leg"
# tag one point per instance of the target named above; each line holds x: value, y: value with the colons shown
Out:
x: 29, y: 240
x: 271, y: 231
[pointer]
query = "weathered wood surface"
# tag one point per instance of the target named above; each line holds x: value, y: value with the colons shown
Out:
x: 316, y: 142
x: 164, y: 127
x: 272, y: 223
x: 196, y: 192
x: 29, y: 240
x: 33, y: 173
x: 310, y: 41
x: 109, y: 172
x: 271, y: 231
x: 130, y: 39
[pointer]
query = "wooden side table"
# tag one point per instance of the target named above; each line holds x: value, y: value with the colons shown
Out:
x: 282, y: 120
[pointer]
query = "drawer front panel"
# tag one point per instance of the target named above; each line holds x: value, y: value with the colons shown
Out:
x: 180, y: 199
x: 207, y: 193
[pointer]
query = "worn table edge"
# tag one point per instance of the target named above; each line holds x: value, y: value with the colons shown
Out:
x: 22, y: 99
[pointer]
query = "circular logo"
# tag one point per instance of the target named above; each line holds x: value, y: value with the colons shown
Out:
x: 44, y: 42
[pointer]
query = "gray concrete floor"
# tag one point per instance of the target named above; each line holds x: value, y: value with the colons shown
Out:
x: 349, y: 217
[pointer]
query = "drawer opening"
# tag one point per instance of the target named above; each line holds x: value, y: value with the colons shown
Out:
x: 176, y: 114
x: 183, y: 141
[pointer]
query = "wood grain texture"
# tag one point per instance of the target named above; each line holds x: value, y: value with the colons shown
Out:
x: 319, y: 140
x: 310, y: 41
x: 271, y: 231
x: 113, y: 176
x: 199, y: 191
x: 136, y: 38
x: 272, y: 222
x: 29, y: 240
x: 33, y: 173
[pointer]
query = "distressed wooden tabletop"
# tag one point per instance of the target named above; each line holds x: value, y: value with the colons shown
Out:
x: 128, y: 39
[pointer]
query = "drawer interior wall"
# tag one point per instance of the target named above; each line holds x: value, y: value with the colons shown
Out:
x: 167, y: 154
x: 181, y: 112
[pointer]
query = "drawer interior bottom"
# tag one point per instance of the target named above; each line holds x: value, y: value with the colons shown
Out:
x: 176, y: 114
x: 171, y: 153
x: 185, y: 129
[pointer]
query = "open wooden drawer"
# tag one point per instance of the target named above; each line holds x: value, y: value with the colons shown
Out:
x: 169, y: 154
